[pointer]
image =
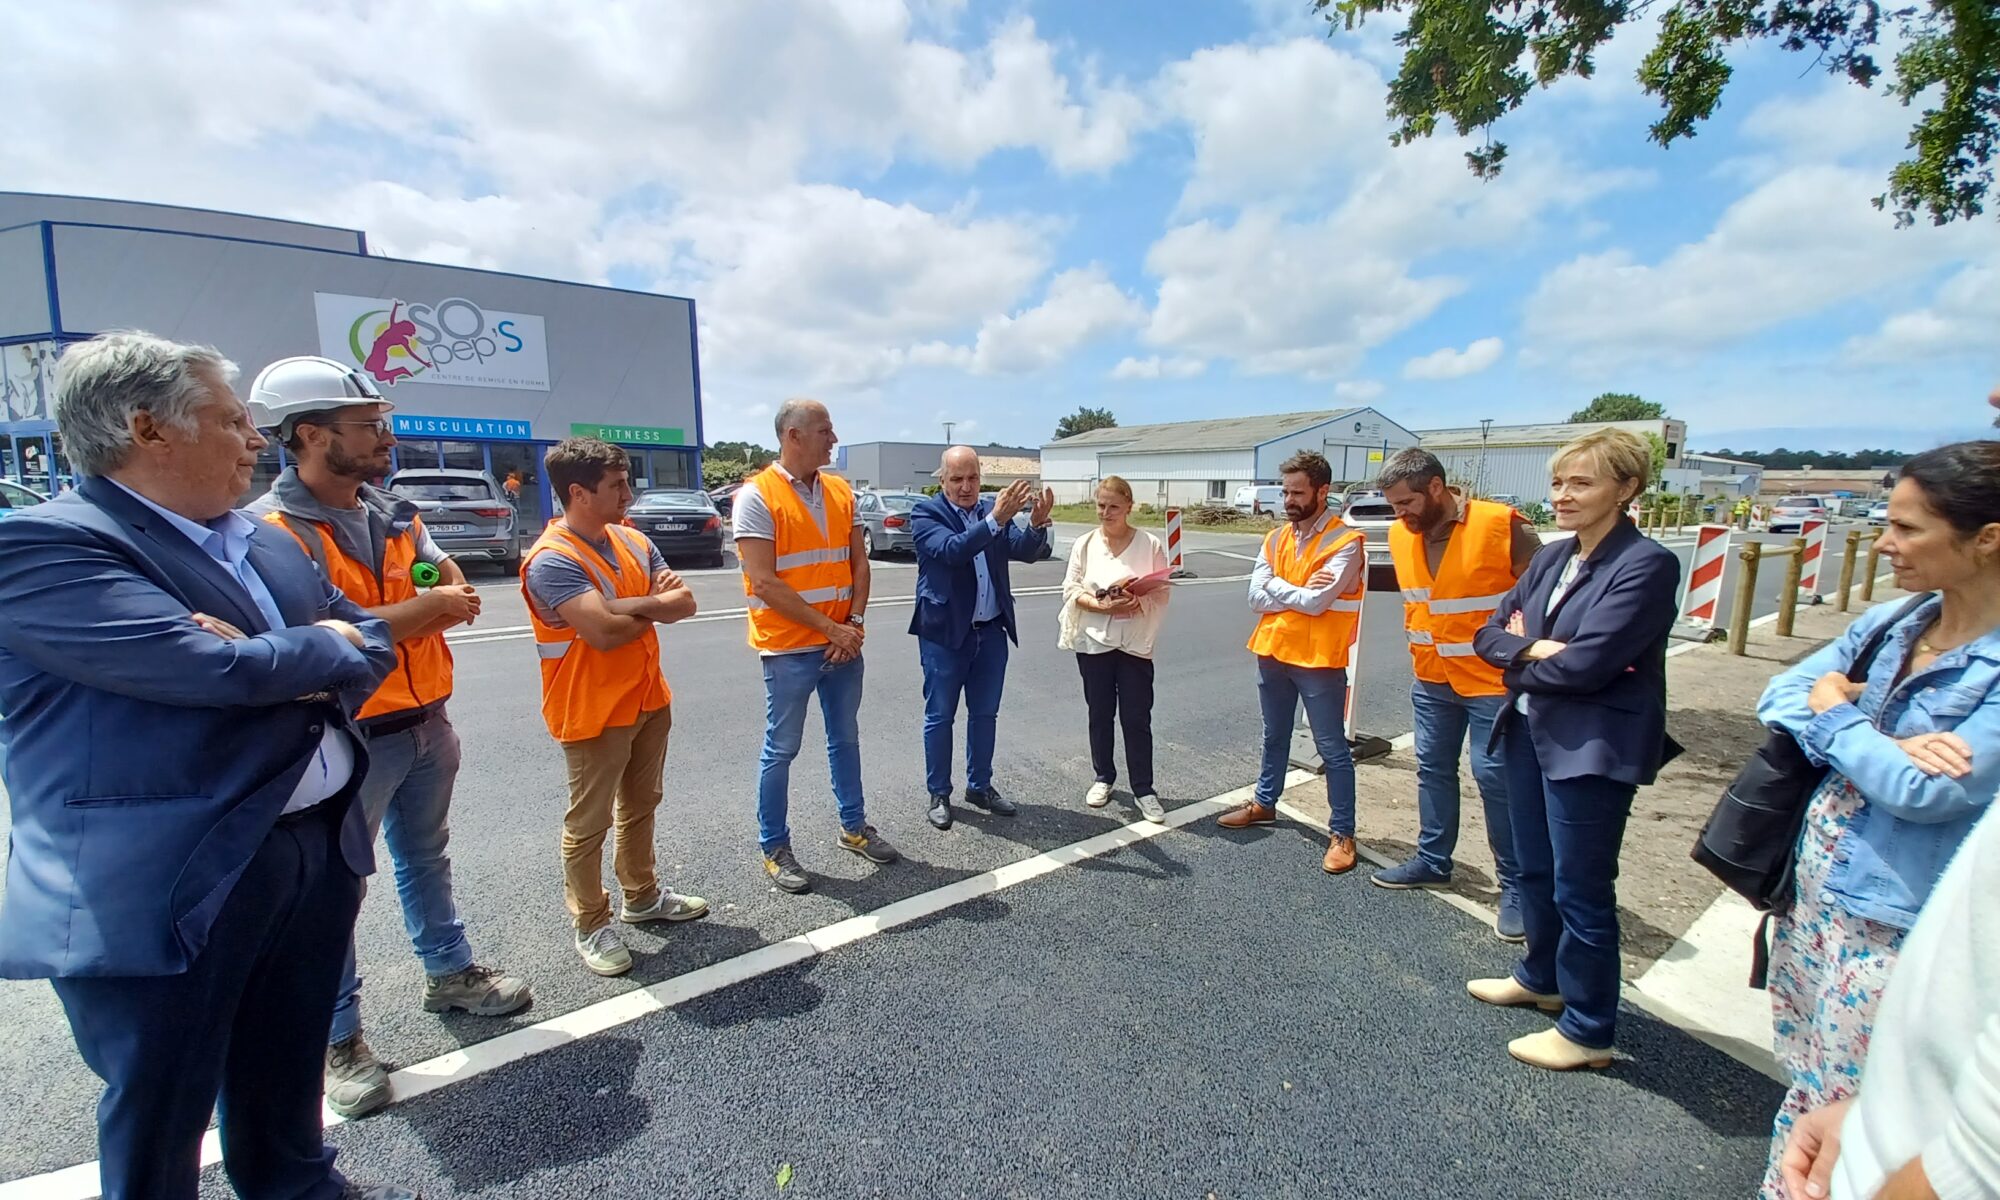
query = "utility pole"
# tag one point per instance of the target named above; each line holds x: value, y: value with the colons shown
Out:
x: 1485, y: 428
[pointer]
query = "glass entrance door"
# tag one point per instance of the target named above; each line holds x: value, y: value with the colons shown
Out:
x: 518, y: 467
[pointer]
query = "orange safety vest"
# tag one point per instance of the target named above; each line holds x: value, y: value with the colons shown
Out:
x: 423, y: 674
x: 811, y: 561
x: 586, y: 691
x: 1296, y: 638
x: 1441, y: 615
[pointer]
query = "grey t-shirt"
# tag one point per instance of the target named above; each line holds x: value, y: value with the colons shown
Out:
x: 554, y: 580
x: 752, y: 516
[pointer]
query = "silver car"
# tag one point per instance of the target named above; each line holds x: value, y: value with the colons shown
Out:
x: 885, y: 522
x: 466, y: 512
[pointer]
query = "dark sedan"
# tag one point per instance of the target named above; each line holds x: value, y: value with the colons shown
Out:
x: 681, y: 522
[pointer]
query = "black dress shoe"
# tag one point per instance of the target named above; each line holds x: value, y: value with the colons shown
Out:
x: 990, y: 800
x: 941, y: 811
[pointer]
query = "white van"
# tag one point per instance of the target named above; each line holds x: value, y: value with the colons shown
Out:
x: 1260, y: 498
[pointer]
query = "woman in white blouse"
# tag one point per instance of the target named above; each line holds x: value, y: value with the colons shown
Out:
x: 1112, y: 629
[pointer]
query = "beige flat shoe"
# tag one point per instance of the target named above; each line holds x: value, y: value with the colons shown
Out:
x: 1551, y: 1051
x: 1507, y: 992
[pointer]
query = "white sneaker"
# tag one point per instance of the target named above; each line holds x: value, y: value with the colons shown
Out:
x: 1098, y: 796
x: 604, y: 952
x: 671, y: 906
x: 1149, y: 807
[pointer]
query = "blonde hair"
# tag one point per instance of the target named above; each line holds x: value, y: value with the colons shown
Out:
x: 1117, y: 486
x: 1626, y: 456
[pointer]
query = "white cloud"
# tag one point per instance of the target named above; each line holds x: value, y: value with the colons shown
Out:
x: 1964, y: 318
x: 1081, y: 306
x: 1156, y: 367
x: 1764, y: 264
x: 1358, y: 391
x: 1447, y: 363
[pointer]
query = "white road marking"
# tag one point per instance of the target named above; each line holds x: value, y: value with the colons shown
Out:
x: 81, y: 1181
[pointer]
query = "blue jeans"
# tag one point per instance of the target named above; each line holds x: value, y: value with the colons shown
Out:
x: 979, y: 669
x: 406, y: 796
x: 1443, y: 718
x: 1280, y: 687
x: 1567, y: 833
x: 789, y: 681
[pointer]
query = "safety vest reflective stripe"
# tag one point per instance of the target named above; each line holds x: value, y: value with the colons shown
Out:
x: 1418, y: 637
x: 1468, y: 604
x: 1456, y: 650
x: 806, y: 558
x: 1416, y: 595
x: 811, y: 596
x: 554, y: 649
x: 1344, y: 606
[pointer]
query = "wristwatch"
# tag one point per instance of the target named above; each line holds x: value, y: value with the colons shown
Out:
x: 856, y: 620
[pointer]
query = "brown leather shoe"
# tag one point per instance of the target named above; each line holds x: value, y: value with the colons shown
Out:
x: 1247, y: 814
x: 1339, y: 855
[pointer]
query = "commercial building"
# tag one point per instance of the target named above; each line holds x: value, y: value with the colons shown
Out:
x: 1513, y: 460
x: 912, y: 466
x: 1865, y: 482
x: 486, y: 369
x: 1196, y: 462
x: 1731, y: 477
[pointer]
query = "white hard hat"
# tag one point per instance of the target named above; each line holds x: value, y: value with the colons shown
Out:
x: 295, y: 387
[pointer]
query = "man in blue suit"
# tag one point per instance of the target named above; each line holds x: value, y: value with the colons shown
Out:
x: 182, y: 763
x: 964, y: 619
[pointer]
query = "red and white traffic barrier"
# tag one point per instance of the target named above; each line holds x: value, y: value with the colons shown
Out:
x: 1815, y: 534
x: 1704, y: 581
x: 1174, y: 541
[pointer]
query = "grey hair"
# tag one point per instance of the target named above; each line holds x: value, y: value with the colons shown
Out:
x: 792, y: 413
x: 1413, y: 465
x: 102, y: 382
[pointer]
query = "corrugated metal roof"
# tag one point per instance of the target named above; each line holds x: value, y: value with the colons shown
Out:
x: 1527, y: 435
x: 1225, y: 433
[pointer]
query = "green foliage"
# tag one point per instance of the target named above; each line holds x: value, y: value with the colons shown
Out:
x: 1782, y: 459
x: 1659, y: 448
x: 1474, y: 61
x: 1619, y: 406
x: 1085, y: 419
x: 745, y: 452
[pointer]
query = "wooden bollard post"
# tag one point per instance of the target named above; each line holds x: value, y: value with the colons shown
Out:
x: 1847, y: 566
x: 1746, y: 595
x: 1868, y: 574
x: 1788, y: 599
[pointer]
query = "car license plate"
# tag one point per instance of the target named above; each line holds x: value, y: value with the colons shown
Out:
x: 669, y: 526
x: 450, y: 528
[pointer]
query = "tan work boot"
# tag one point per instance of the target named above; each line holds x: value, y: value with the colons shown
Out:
x: 1247, y: 814
x: 1507, y: 992
x: 1551, y: 1051
x: 1339, y: 855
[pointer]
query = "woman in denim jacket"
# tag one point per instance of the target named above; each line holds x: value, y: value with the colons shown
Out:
x: 1913, y: 753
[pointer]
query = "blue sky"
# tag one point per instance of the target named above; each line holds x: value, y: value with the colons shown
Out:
x: 928, y: 210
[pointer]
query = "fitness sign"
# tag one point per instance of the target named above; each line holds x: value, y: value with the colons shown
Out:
x: 451, y: 341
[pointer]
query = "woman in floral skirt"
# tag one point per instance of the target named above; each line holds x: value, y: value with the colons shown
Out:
x: 1913, y: 753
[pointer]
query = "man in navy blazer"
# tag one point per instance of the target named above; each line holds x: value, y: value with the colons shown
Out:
x: 187, y: 859
x: 964, y: 619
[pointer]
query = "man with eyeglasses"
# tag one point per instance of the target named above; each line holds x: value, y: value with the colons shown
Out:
x: 367, y: 541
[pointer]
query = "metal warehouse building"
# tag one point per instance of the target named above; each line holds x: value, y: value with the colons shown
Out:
x: 912, y: 466
x: 1513, y: 460
x: 1193, y: 462
x: 486, y: 369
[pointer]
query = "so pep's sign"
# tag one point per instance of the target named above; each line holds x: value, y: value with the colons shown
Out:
x: 451, y: 341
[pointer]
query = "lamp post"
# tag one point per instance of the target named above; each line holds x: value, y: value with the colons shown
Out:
x: 948, y: 427
x: 1485, y: 428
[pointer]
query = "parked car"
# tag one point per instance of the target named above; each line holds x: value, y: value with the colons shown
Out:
x: 14, y: 497
x: 885, y: 522
x: 1372, y: 514
x: 1878, y: 513
x: 466, y: 512
x: 1260, y: 498
x: 681, y: 522
x: 724, y: 498
x: 1506, y: 498
x: 1791, y: 513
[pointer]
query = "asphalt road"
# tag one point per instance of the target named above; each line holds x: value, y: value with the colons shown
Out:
x: 749, y: 1079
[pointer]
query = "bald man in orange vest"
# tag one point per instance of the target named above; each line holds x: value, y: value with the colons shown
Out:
x: 1306, y: 589
x: 1456, y: 558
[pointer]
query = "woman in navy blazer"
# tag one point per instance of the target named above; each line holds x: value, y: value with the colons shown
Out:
x: 1582, y: 639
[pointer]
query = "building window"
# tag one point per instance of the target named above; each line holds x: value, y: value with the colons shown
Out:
x: 1673, y: 450
x: 1218, y: 489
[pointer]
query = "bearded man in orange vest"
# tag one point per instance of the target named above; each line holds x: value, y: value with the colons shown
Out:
x: 805, y: 582
x: 366, y: 541
x: 1456, y: 558
x: 595, y: 589
x: 1306, y: 589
